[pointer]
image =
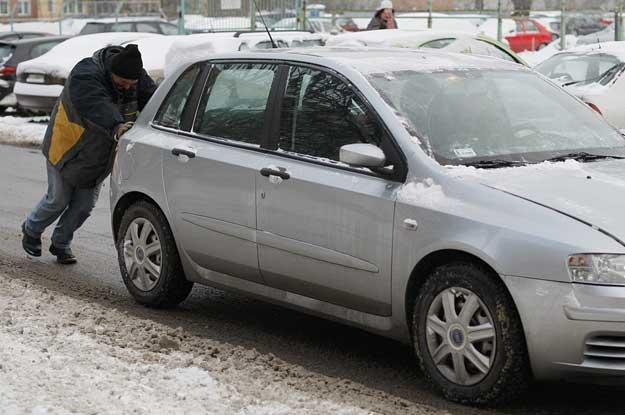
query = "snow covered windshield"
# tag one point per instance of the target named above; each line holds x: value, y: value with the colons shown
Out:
x: 468, y: 115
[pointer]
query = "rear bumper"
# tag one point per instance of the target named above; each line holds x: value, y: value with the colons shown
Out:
x: 572, y: 330
x: 36, y: 97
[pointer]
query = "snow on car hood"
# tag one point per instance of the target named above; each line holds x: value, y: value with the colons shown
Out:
x: 590, y: 192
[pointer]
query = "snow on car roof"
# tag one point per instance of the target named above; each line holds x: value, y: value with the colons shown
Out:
x: 378, y: 37
x: 380, y: 60
x: 60, y: 60
x: 616, y: 49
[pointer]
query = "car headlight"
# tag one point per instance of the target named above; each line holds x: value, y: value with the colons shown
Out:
x: 608, y: 269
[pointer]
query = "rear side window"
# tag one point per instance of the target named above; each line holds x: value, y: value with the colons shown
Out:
x: 321, y: 113
x: 438, y: 43
x: 170, y: 113
x: 42, y: 48
x: 93, y: 28
x: 234, y: 103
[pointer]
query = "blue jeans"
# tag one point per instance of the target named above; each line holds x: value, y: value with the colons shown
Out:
x: 73, y: 205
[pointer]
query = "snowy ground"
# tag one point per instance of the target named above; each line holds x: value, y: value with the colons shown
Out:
x: 61, y: 355
x: 24, y: 131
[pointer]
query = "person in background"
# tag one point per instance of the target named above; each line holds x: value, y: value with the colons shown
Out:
x: 99, y: 103
x: 384, y: 17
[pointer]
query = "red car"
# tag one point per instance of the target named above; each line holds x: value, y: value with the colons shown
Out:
x: 529, y: 35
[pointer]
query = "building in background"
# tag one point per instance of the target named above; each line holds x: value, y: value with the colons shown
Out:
x: 24, y: 9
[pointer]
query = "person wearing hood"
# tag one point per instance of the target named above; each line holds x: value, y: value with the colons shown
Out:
x: 100, y: 101
x: 384, y: 17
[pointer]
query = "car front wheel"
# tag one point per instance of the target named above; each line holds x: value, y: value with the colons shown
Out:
x: 148, y: 258
x: 468, y: 336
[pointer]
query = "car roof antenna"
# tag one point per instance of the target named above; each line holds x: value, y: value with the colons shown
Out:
x: 260, y: 13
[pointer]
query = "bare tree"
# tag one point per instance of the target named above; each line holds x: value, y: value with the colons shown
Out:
x: 522, y: 7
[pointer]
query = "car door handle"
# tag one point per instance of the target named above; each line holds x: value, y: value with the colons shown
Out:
x: 268, y: 171
x: 178, y: 151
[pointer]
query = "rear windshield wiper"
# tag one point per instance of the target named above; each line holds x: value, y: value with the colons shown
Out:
x: 494, y: 164
x: 583, y: 156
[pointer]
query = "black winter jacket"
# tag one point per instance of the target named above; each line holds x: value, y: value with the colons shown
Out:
x: 79, y: 139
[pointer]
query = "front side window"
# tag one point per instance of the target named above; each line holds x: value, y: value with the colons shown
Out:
x: 438, y: 43
x: 320, y: 113
x: 466, y: 116
x: 234, y: 102
x: 168, y: 29
x: 122, y: 27
x: 570, y: 69
x: 170, y: 113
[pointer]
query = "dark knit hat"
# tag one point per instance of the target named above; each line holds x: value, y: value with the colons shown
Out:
x: 127, y: 63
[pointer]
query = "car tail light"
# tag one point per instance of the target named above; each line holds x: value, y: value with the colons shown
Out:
x: 594, y: 107
x: 7, y: 70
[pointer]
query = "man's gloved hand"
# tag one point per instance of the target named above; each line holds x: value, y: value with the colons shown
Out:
x: 121, y: 129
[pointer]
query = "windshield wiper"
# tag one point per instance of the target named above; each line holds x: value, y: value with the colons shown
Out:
x: 494, y: 164
x: 583, y: 156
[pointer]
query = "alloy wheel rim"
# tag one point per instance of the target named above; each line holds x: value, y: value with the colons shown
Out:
x: 461, y: 336
x: 142, y: 254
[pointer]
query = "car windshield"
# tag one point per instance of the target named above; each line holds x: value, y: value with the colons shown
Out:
x: 571, y: 69
x: 469, y: 115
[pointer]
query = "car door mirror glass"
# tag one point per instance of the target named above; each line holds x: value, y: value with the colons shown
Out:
x: 362, y: 155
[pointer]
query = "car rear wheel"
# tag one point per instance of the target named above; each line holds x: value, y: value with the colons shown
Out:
x: 148, y: 258
x: 468, y: 336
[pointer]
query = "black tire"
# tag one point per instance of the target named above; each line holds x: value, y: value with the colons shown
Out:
x: 172, y: 287
x: 509, y: 373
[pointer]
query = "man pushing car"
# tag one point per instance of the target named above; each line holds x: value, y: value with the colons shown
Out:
x: 99, y: 103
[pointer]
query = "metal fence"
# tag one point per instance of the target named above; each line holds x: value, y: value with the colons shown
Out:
x: 495, y: 18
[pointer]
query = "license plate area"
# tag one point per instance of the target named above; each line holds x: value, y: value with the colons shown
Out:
x: 35, y: 79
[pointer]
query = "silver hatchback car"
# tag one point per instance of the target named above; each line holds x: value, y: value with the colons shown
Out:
x: 462, y: 204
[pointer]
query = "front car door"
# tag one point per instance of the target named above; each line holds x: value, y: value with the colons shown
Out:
x: 325, y: 230
x: 210, y: 173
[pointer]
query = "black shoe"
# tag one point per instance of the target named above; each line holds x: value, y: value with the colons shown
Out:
x: 31, y: 245
x: 63, y: 256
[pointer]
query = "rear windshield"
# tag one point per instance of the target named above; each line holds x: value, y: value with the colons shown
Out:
x: 93, y: 28
x: 6, y: 51
x: 570, y: 69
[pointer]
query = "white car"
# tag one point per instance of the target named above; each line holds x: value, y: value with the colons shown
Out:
x: 40, y: 81
x: 448, y: 41
x: 187, y: 48
x: 593, y: 73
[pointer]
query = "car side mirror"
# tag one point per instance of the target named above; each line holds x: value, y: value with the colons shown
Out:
x: 362, y: 155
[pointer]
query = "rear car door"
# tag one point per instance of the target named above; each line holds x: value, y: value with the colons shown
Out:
x: 325, y: 229
x: 210, y: 173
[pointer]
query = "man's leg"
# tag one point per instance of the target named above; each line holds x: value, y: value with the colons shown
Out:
x: 49, y: 208
x: 80, y: 206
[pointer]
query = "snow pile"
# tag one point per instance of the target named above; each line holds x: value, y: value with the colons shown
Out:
x: 425, y: 193
x: 65, y: 354
x: 546, y: 167
x: 22, y: 131
x: 60, y: 60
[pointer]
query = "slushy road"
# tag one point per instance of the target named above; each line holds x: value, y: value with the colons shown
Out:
x: 247, y: 344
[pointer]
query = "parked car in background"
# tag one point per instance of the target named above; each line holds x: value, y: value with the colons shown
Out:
x: 538, y: 57
x: 347, y: 24
x: 187, y: 48
x: 11, y: 54
x: 313, y: 24
x: 40, y: 80
x: 606, y: 35
x: 521, y: 34
x: 393, y: 190
x: 146, y: 26
x: 593, y: 73
x: 11, y: 36
x: 448, y: 41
